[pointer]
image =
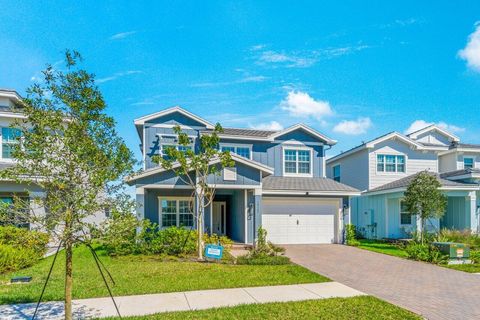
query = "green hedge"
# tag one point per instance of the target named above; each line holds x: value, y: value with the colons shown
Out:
x: 20, y: 248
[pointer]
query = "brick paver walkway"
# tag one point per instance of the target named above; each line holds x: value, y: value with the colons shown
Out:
x: 430, y: 291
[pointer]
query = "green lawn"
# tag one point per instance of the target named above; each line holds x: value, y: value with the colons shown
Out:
x: 472, y: 268
x: 364, y: 307
x: 382, y: 247
x: 145, y: 274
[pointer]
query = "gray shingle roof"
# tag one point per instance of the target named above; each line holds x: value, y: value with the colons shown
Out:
x: 304, y: 184
x: 468, y: 145
x: 460, y: 172
x: 247, y: 132
x: 404, y: 182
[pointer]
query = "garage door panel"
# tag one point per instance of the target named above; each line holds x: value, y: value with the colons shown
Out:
x: 294, y: 221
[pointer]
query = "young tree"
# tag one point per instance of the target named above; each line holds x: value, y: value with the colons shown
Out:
x: 70, y: 149
x: 424, y: 199
x: 194, y: 167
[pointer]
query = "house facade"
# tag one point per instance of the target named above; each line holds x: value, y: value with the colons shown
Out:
x: 10, y: 110
x: 383, y: 168
x: 278, y: 182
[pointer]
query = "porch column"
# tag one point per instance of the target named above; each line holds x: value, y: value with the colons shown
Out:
x: 140, y: 193
x: 419, y: 223
x: 257, y: 193
x: 472, y: 200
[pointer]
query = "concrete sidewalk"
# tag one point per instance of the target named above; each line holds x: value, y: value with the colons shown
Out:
x: 180, y: 301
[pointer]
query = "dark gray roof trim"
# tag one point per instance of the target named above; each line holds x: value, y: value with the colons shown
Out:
x: 304, y: 184
x: 247, y: 132
x: 404, y: 182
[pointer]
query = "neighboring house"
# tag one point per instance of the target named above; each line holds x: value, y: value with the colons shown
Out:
x: 278, y: 182
x: 383, y: 167
x: 10, y: 106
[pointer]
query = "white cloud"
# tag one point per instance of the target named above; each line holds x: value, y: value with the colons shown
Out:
x: 122, y: 35
x: 246, y: 79
x: 117, y: 75
x: 289, y: 60
x: 353, y: 127
x: 272, y: 125
x: 420, y: 124
x: 301, y: 104
x: 257, y: 47
x: 471, y: 52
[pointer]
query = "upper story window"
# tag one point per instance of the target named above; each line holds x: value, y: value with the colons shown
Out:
x: 336, y: 173
x: 171, y: 142
x: 390, y: 163
x: 10, y: 138
x: 241, y: 150
x: 297, y: 162
x: 468, y: 163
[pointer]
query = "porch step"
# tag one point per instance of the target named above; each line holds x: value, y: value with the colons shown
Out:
x: 241, y: 246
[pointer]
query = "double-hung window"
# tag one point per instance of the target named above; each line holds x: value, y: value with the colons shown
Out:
x: 297, y: 162
x: 405, y: 216
x: 468, y: 163
x: 242, y: 151
x: 171, y: 142
x: 336, y: 173
x: 176, y: 212
x: 10, y: 138
x: 391, y: 163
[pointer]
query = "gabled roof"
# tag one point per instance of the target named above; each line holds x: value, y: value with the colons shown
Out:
x: 11, y: 94
x: 272, y: 184
x: 251, y: 163
x: 268, y: 135
x: 403, y: 183
x: 301, y: 126
x: 142, y: 120
x: 433, y: 127
x: 372, y: 143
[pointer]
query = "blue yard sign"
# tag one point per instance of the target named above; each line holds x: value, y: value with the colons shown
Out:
x: 213, y: 251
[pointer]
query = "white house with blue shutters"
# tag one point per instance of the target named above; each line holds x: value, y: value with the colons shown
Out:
x: 278, y: 182
x: 383, y: 167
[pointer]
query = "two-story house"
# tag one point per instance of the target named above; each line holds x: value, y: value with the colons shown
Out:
x: 10, y: 110
x: 383, y: 168
x: 278, y: 182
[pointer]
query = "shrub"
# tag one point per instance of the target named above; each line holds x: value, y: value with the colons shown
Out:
x: 264, y: 252
x: 464, y: 236
x: 351, y: 235
x: 424, y: 252
x: 118, y: 234
x: 475, y: 256
x: 14, y: 258
x: 20, y: 248
x: 224, y: 241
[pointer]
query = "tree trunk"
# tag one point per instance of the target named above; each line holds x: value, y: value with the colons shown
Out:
x: 200, y: 236
x: 68, y: 279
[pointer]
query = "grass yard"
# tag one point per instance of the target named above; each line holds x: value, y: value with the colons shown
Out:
x: 144, y: 274
x: 382, y: 247
x: 472, y: 268
x: 365, y: 307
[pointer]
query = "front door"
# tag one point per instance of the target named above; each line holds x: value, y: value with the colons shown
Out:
x: 219, y: 217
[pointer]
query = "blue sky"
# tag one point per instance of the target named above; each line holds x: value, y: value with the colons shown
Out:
x: 350, y: 70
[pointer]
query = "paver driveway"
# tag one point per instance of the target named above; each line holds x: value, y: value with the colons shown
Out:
x: 430, y: 291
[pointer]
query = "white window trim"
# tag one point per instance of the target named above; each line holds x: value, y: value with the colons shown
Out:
x: 400, y: 215
x: 297, y: 148
x: 333, y: 171
x: 237, y: 145
x: 385, y: 163
x: 468, y: 157
x: 177, y: 199
x: 2, y: 159
x: 161, y: 153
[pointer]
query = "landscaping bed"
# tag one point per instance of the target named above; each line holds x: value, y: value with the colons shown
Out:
x: 141, y: 274
x: 364, y: 307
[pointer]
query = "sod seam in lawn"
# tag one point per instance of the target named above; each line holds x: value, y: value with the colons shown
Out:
x: 145, y: 274
x: 361, y: 308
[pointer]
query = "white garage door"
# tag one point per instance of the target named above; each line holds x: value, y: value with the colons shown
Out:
x: 300, y: 221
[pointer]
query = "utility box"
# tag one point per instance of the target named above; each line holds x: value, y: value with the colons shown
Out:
x: 457, y: 252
